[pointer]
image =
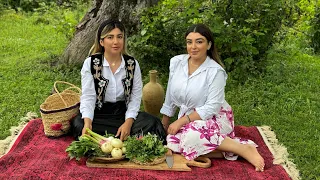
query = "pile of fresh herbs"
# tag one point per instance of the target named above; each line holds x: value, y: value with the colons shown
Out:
x: 85, y: 147
x: 144, y: 148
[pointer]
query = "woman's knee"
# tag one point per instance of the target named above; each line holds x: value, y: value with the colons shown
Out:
x: 146, y: 122
x: 194, y: 137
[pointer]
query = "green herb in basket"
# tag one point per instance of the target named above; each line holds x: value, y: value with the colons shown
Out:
x: 144, y: 148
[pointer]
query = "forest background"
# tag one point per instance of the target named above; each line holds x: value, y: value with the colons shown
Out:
x: 270, y: 49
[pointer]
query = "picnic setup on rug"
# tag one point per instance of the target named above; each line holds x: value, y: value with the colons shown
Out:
x: 44, y: 150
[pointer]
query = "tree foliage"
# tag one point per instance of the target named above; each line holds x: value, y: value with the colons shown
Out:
x: 243, y: 30
x: 31, y: 5
x: 304, y: 33
x: 315, y: 30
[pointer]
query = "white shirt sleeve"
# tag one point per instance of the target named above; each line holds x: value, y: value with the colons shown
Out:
x: 216, y: 96
x: 136, y: 94
x: 168, y: 107
x: 88, y: 97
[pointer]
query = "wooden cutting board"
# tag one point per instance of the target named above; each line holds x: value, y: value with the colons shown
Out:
x: 179, y: 164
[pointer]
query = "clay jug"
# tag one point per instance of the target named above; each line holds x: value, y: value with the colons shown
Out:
x: 152, y: 95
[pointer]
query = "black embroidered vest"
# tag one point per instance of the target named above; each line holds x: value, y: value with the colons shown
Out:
x: 101, y: 83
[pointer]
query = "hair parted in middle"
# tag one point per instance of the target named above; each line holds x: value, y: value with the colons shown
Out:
x: 104, y: 28
x: 206, y: 32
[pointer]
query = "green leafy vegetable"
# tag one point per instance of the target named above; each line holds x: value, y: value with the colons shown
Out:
x: 96, y: 137
x: 144, y: 148
x: 85, y: 147
x: 93, y: 144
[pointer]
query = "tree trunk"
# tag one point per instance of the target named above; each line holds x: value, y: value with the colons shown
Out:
x: 127, y: 11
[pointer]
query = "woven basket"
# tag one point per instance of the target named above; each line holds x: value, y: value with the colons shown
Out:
x: 59, y: 108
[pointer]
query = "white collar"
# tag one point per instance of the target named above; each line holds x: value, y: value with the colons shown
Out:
x: 106, y: 63
x: 209, y: 62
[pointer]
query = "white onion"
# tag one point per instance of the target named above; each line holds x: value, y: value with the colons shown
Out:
x: 117, y: 143
x: 110, y: 138
x: 124, y: 150
x: 116, y: 153
x: 106, y: 147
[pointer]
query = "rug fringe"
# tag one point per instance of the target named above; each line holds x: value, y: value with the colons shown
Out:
x: 280, y: 153
x: 6, y: 144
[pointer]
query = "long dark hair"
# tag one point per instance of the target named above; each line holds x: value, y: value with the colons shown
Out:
x: 104, y: 28
x: 206, y: 32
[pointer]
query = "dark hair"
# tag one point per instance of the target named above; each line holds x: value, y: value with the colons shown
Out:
x: 206, y: 32
x: 104, y: 28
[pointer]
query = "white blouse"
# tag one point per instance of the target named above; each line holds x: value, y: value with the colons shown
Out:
x: 114, y: 90
x: 202, y: 91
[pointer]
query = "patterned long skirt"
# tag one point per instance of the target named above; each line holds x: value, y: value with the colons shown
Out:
x: 202, y: 137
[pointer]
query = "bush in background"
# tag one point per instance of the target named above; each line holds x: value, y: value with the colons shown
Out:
x: 31, y: 5
x: 315, y: 37
x: 63, y: 18
x: 63, y: 15
x: 243, y: 30
x: 304, y: 35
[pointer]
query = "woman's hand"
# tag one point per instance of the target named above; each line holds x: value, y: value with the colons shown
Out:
x: 87, y: 124
x: 124, y: 129
x: 165, y: 122
x: 176, y: 125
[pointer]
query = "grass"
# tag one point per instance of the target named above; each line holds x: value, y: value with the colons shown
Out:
x: 26, y: 76
x: 285, y: 97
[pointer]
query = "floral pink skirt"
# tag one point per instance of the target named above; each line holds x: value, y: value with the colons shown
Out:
x: 201, y: 137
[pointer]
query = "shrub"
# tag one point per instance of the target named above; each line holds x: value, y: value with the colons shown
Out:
x: 303, y: 35
x: 315, y: 31
x: 63, y: 18
x: 243, y: 31
x: 31, y: 5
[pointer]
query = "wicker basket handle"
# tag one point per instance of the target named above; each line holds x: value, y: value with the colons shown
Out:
x: 63, y: 82
x: 76, y: 88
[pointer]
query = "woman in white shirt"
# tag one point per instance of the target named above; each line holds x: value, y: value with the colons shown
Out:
x: 112, y: 89
x: 205, y: 122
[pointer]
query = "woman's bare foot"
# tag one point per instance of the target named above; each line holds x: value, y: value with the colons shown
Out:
x: 251, y: 154
x: 246, y: 151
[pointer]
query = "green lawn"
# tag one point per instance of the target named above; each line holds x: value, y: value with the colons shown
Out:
x: 26, y: 76
x: 285, y: 97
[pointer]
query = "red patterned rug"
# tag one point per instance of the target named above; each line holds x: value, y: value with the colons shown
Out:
x: 34, y: 156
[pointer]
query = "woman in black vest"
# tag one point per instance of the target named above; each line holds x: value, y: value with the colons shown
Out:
x: 112, y: 89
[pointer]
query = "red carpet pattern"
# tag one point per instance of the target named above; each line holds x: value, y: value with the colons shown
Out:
x: 35, y: 156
